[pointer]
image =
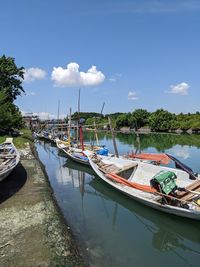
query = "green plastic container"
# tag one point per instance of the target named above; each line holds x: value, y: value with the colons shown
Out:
x: 166, y: 180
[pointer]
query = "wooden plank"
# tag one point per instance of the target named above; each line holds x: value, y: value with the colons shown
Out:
x: 192, y: 186
x: 189, y: 195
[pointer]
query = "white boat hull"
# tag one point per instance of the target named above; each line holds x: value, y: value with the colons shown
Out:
x: 10, y: 158
x: 146, y: 198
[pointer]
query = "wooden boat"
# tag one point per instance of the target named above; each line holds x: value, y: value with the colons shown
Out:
x: 73, y: 153
x: 134, y: 178
x: 76, y: 153
x: 9, y: 158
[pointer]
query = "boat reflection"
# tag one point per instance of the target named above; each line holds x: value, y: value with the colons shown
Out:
x: 117, y: 230
x: 169, y: 233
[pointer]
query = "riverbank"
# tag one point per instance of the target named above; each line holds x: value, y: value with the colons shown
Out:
x: 33, y: 232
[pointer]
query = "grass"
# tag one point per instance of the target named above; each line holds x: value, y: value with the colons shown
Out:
x: 20, y: 141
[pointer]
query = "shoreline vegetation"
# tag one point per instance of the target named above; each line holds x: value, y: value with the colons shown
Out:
x: 143, y: 121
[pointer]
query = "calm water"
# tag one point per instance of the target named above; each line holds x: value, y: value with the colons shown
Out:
x: 111, y: 228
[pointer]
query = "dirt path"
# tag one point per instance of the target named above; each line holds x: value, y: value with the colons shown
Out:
x: 32, y: 230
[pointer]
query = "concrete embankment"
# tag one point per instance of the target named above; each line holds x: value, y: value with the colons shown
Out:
x: 32, y: 230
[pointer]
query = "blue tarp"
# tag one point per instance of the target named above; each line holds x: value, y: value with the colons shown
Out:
x: 103, y: 151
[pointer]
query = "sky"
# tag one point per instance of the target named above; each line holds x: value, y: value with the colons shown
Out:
x: 128, y: 54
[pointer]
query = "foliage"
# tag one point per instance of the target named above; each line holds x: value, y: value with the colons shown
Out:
x: 11, y: 78
x: 85, y: 115
x: 10, y: 116
x: 123, y: 120
x: 139, y: 118
x: 161, y: 120
x: 10, y: 87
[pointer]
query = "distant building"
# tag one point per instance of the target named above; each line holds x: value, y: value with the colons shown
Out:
x: 30, y: 120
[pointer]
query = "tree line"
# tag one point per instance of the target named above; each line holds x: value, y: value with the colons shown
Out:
x: 160, y: 121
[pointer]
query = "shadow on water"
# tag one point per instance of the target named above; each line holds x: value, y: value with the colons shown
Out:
x: 13, y: 183
x: 168, y: 231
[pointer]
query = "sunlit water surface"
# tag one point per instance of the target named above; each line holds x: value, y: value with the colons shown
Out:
x: 113, y: 229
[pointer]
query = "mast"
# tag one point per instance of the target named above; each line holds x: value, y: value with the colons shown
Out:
x: 95, y: 132
x: 77, y: 129
x: 69, y: 125
x: 113, y: 138
x: 58, y: 113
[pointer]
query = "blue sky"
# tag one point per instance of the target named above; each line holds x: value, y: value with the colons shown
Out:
x: 127, y: 53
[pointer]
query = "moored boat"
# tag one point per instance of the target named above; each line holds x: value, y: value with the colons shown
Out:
x: 9, y: 158
x: 76, y: 153
x: 174, y: 193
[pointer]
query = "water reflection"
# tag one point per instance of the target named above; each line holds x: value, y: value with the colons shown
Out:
x: 114, y: 229
x: 161, y: 223
x: 168, y: 234
x: 160, y: 142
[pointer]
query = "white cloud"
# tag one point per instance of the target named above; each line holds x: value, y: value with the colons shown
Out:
x: 33, y: 74
x: 71, y: 76
x: 29, y: 93
x: 112, y: 79
x: 132, y: 95
x: 115, y: 77
x: 181, y: 88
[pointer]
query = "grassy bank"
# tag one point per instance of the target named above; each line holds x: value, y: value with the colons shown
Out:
x: 20, y: 141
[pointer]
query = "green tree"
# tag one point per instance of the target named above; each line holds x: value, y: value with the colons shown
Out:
x: 139, y: 118
x: 122, y: 120
x: 10, y: 116
x: 161, y: 120
x: 11, y: 78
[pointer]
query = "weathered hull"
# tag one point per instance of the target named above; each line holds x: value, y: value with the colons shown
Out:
x: 11, y: 160
x: 133, y: 193
x: 70, y: 155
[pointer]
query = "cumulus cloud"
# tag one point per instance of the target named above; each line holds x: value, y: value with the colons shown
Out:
x: 132, y: 95
x: 181, y: 88
x: 33, y: 74
x: 71, y: 76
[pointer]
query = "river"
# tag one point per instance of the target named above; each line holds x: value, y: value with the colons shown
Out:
x: 112, y: 229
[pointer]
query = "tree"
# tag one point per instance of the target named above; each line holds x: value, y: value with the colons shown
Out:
x: 139, y: 118
x: 11, y: 78
x: 10, y: 116
x: 122, y: 120
x: 161, y: 120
